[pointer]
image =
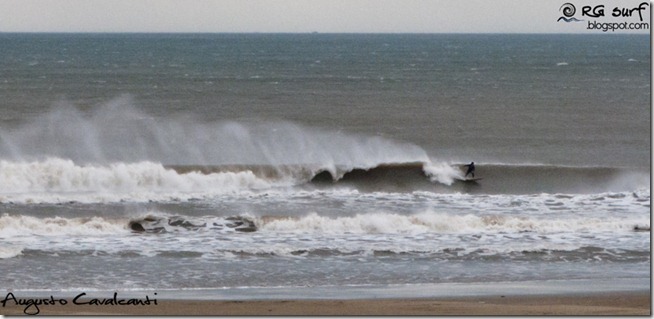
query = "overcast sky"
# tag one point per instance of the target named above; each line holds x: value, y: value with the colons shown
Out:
x: 424, y: 16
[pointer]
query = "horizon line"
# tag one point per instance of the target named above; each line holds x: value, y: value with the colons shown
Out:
x: 323, y: 33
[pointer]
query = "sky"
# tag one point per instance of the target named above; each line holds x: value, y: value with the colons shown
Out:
x: 328, y: 16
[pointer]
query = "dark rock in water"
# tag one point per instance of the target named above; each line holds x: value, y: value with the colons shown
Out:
x: 176, y: 222
x: 180, y: 222
x: 145, y: 225
x: 136, y: 226
x: 241, y: 224
x: 248, y: 229
x: 188, y: 224
x: 641, y: 228
x: 151, y: 224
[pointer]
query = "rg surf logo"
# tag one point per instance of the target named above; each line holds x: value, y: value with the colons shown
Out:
x: 605, y: 19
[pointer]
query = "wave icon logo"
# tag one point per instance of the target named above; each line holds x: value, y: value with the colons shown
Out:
x: 568, y: 10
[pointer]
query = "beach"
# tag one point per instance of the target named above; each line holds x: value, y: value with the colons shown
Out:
x: 623, y: 303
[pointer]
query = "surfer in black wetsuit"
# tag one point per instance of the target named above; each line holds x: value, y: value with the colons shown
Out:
x: 471, y: 169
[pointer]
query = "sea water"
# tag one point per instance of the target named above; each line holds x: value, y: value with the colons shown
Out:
x: 252, y: 163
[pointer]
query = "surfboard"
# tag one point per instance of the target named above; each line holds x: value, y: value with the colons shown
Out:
x: 474, y: 179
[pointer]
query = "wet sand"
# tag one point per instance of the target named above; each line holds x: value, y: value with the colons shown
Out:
x: 622, y: 303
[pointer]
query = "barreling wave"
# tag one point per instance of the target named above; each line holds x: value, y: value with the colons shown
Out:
x: 62, y: 180
x: 382, y: 174
x: 115, y: 152
x: 499, y: 179
x: 443, y: 177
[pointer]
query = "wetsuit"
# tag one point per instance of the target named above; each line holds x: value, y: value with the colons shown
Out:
x: 471, y: 169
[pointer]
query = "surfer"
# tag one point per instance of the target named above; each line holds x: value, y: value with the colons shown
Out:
x: 471, y: 169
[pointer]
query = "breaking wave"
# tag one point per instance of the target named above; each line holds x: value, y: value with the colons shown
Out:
x: 370, y: 234
x: 115, y: 152
x: 57, y: 180
x: 60, y: 180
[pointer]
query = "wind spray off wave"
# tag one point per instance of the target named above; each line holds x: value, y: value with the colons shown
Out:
x: 118, y: 132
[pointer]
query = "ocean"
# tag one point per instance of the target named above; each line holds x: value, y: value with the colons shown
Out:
x: 324, y: 165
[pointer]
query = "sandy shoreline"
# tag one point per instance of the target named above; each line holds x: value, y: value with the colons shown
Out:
x: 622, y: 303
